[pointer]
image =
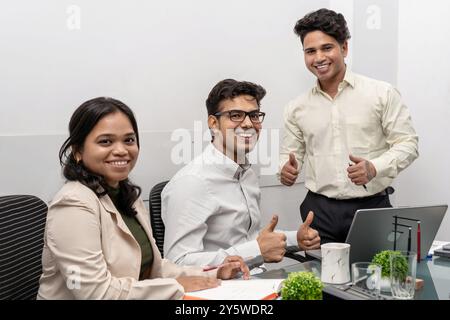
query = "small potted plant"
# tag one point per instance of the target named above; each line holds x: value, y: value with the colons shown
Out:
x: 383, y: 259
x: 302, y: 285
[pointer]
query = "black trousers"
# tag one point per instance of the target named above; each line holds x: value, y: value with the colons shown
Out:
x: 333, y: 217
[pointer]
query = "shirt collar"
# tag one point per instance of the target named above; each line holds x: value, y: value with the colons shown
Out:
x: 349, y: 79
x: 225, y: 164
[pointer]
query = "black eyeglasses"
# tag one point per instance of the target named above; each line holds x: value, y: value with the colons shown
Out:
x: 239, y: 115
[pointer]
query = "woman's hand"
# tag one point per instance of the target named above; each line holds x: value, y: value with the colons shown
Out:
x: 195, y: 283
x: 231, y: 266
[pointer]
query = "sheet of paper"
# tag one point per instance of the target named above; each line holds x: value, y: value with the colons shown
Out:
x: 254, y: 289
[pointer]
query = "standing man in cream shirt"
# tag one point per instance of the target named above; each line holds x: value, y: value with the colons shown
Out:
x: 351, y: 134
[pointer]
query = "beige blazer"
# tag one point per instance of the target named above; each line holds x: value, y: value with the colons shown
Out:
x: 89, y: 252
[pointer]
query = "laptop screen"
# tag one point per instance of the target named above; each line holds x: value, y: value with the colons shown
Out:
x: 373, y: 230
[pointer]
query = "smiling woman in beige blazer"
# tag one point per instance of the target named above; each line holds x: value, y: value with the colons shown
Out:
x: 98, y: 239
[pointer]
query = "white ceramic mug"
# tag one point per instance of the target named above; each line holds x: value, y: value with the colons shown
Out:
x: 335, y: 263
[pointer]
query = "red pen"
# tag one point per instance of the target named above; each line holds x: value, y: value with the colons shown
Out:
x: 418, y: 241
x: 209, y: 268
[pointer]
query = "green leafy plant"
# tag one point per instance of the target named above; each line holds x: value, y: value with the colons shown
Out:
x: 400, y: 267
x: 302, y: 285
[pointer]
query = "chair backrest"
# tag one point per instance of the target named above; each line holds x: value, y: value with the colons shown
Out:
x: 22, y: 226
x: 155, y: 215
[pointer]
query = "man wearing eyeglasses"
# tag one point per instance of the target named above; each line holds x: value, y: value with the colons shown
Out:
x: 210, y: 208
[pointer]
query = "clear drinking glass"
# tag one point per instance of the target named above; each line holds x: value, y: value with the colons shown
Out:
x: 367, y: 277
x: 403, y: 266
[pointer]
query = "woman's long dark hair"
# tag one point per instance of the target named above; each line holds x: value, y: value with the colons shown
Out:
x: 83, y: 120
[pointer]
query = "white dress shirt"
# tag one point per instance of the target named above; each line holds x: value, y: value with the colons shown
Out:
x: 366, y: 118
x: 210, y: 210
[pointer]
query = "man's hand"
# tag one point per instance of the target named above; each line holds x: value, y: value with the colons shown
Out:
x: 307, y: 237
x: 272, y: 244
x: 231, y: 266
x: 362, y: 171
x: 289, y: 172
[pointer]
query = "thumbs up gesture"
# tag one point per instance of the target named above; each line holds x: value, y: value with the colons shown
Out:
x: 272, y: 244
x: 362, y: 171
x: 289, y: 172
x: 307, y: 237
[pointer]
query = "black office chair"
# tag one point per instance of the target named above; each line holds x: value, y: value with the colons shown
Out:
x: 22, y: 226
x: 155, y: 215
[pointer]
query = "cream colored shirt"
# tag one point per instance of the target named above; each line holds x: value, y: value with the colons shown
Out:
x: 89, y: 252
x: 366, y: 118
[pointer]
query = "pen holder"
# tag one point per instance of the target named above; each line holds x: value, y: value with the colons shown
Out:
x: 335, y: 263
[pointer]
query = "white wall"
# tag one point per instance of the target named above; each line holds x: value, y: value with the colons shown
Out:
x: 424, y: 80
x: 163, y: 57
x: 160, y: 57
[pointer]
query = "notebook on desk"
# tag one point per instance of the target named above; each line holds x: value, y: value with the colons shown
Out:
x: 254, y: 289
x: 372, y: 230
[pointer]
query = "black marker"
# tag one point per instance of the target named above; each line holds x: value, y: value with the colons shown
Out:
x: 365, y: 188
